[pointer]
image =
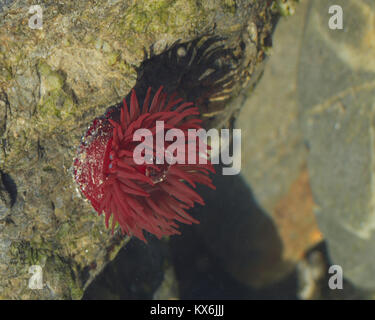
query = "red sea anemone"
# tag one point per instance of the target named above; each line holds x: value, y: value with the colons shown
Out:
x: 151, y: 197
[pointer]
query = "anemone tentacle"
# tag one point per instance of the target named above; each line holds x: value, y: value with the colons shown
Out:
x: 150, y: 197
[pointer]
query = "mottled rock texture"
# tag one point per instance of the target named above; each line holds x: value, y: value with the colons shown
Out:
x: 55, y: 81
x: 336, y: 92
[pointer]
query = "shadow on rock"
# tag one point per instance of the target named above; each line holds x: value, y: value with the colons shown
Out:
x: 236, y: 244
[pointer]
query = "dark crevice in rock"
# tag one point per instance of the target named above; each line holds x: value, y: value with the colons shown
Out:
x: 8, y: 189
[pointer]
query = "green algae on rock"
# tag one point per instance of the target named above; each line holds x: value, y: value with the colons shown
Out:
x: 54, y: 81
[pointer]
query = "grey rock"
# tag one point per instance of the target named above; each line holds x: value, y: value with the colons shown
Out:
x: 4, y: 3
x: 336, y: 90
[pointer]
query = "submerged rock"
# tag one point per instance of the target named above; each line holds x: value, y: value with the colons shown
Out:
x: 336, y: 91
x: 54, y: 81
x: 263, y: 225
